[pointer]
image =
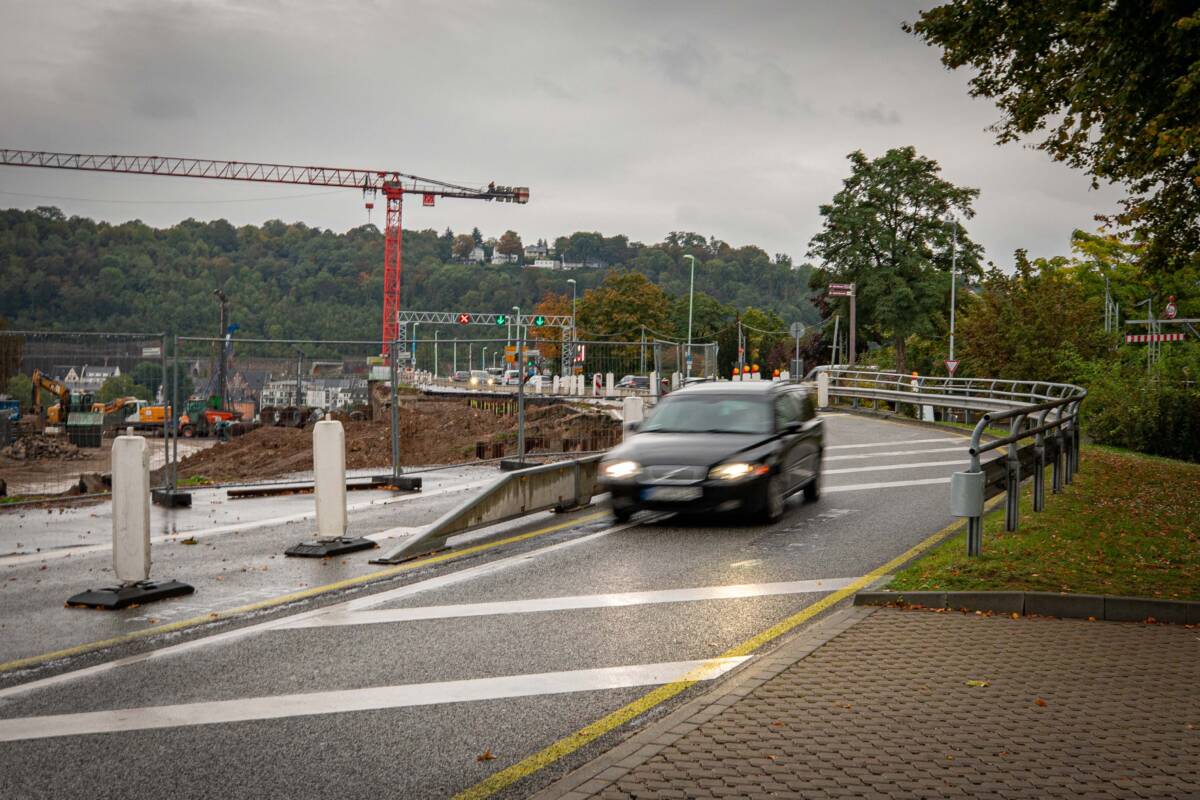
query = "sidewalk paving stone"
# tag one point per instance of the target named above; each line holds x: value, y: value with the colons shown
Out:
x: 1071, y: 708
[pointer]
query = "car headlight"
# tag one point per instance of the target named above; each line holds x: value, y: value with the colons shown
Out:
x: 736, y: 470
x: 620, y: 469
x: 474, y: 381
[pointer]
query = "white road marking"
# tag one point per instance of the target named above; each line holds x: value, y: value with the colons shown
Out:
x: 541, y: 604
x: 893, y: 444
x: 859, y: 487
x: 883, y: 467
x: 238, y: 527
x: 863, y: 456
x: 353, y: 605
x: 368, y: 699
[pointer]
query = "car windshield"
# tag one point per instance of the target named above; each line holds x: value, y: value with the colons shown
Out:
x: 707, y: 413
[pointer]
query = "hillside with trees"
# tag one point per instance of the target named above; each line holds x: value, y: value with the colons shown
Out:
x: 294, y: 281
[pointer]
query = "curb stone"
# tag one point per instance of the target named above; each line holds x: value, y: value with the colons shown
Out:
x: 1049, y: 604
x: 608, y: 768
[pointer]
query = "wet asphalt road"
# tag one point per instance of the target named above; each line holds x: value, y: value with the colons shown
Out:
x: 428, y: 742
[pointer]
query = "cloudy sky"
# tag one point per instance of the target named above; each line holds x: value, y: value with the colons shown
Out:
x: 729, y: 119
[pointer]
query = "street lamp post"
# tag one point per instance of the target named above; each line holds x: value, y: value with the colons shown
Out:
x: 691, y: 296
x: 435, y: 353
x: 572, y: 353
x: 953, y: 281
x: 520, y: 388
x: 414, y: 343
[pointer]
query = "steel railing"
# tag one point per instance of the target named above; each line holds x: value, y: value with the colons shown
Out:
x: 1045, y: 411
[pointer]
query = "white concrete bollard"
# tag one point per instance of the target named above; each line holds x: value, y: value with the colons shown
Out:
x: 822, y: 390
x: 609, y: 383
x: 633, y: 409
x: 554, y: 385
x: 676, y: 380
x: 131, y: 509
x: 581, y: 385
x: 329, y: 478
x: 536, y: 383
x: 654, y: 390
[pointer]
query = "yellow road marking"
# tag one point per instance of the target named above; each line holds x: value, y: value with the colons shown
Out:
x: 566, y: 746
x: 305, y: 594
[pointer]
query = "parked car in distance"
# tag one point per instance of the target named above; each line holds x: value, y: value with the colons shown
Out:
x: 461, y: 376
x: 640, y: 382
x: 511, y: 377
x: 727, y: 447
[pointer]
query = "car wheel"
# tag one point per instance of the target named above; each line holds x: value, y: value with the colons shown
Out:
x: 622, y: 513
x: 812, y: 490
x: 772, y: 510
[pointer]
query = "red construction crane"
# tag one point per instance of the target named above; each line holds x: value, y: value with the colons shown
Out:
x: 394, y: 186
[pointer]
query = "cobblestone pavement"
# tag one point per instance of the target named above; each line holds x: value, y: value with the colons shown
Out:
x: 912, y: 704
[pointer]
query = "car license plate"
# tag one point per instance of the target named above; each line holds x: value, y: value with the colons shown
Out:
x: 674, y: 494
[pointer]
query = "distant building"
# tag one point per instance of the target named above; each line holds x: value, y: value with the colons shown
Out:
x: 536, y: 251
x: 477, y: 255
x: 502, y: 258
x: 545, y: 263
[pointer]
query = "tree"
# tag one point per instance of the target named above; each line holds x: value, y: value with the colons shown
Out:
x: 476, y: 237
x: 121, y: 386
x: 20, y: 388
x: 510, y: 244
x: 1037, y: 324
x: 1114, y: 85
x: 886, y: 231
x: 621, y: 306
x: 548, y: 338
x: 463, y: 245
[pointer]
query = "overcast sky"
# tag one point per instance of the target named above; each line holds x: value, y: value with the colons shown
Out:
x: 729, y: 119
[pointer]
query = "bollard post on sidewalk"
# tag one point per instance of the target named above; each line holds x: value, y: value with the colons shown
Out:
x: 131, y: 534
x: 329, y: 489
x: 654, y: 384
x: 633, y: 411
x: 609, y: 390
x: 822, y: 390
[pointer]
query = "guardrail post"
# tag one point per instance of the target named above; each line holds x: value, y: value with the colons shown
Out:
x: 1012, y: 483
x: 1039, y: 476
x: 1068, y: 451
x: 1077, y: 435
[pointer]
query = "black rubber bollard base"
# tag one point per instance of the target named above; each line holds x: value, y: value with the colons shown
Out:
x: 140, y: 593
x: 328, y: 548
x: 399, y: 483
x: 170, y: 499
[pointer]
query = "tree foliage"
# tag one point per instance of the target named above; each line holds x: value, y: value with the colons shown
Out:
x: 620, y: 307
x: 1114, y: 86
x: 122, y: 386
x: 886, y: 231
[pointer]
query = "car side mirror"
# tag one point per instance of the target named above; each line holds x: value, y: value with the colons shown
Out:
x: 794, y: 427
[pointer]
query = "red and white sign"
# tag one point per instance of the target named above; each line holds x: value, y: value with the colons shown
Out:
x: 1170, y: 311
x: 841, y: 290
x: 580, y: 349
x: 597, y: 385
x: 1133, y: 338
x: 951, y: 365
x: 426, y: 199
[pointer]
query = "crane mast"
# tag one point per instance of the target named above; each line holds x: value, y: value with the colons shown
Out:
x: 393, y: 184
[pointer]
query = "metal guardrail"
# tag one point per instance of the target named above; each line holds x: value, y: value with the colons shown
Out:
x: 1046, y: 411
x: 561, y: 486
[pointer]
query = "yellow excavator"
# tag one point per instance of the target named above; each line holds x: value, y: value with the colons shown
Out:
x: 57, y: 413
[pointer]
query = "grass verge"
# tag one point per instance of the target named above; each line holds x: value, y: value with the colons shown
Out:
x: 1128, y: 525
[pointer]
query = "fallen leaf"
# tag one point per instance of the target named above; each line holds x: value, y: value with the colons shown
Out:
x: 1015, y: 615
x: 776, y: 724
x: 486, y: 755
x: 977, y: 683
x: 189, y: 540
x: 1040, y: 702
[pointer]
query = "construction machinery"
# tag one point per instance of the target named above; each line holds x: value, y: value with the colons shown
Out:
x: 392, y: 183
x: 60, y: 412
x: 199, y: 419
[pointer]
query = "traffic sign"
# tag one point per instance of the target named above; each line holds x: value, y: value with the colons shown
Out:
x: 796, y: 330
x: 1171, y: 310
x: 539, y: 321
x: 464, y: 319
x: 951, y: 366
x: 501, y: 319
x: 841, y: 290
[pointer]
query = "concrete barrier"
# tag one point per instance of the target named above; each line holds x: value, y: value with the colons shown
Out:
x: 560, y: 486
x: 131, y: 534
x: 633, y: 411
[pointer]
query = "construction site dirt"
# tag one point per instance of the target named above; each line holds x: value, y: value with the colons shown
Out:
x: 432, y: 432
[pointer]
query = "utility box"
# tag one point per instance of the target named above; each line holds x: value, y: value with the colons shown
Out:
x: 85, y: 428
x: 966, y: 494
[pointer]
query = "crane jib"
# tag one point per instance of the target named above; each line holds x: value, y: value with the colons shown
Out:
x: 371, y: 180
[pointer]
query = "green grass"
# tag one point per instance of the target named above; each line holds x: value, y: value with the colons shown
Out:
x: 195, y: 480
x: 1128, y: 525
